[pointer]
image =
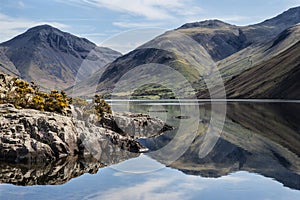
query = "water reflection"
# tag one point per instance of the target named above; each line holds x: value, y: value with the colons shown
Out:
x: 63, y: 170
x: 263, y: 138
x: 55, y: 173
x: 260, y: 138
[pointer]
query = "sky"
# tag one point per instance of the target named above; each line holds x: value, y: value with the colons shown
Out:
x: 101, y: 20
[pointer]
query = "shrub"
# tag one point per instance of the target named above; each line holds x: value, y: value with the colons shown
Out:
x: 25, y: 95
x: 28, y: 95
x: 101, y: 106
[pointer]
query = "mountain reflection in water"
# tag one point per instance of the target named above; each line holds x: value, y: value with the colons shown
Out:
x: 261, y: 138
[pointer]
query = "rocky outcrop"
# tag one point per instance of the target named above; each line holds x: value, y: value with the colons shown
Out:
x: 33, y: 136
x: 135, y: 125
x: 29, y: 136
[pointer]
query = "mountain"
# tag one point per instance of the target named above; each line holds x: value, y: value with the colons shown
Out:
x: 260, y: 33
x: 267, y: 71
x: 52, y: 58
x: 156, y: 62
x: 218, y: 38
x: 193, y: 47
x: 276, y: 78
x: 222, y: 39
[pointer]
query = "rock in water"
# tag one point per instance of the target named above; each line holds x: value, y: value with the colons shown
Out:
x: 136, y: 125
x: 33, y: 136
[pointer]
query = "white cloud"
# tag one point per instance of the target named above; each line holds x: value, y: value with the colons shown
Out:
x: 234, y: 18
x: 127, y: 24
x: 150, y: 9
x: 10, y: 26
x: 155, y: 13
x: 94, y: 34
x: 144, y: 13
x: 128, y: 40
x: 162, y: 185
x: 149, y: 189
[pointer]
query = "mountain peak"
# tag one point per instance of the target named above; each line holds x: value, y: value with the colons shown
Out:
x: 46, y: 34
x: 41, y: 27
x: 45, y: 29
x: 214, y: 23
x: 55, y: 57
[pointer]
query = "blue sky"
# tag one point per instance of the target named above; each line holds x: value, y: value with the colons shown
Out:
x: 99, y: 20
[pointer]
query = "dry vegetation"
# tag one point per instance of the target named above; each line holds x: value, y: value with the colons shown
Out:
x: 28, y: 96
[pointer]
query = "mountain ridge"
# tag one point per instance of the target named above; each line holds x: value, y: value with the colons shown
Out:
x: 59, y: 59
x: 267, y: 71
x: 54, y: 58
x: 225, y: 44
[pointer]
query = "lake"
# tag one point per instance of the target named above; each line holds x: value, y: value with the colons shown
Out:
x: 217, y: 150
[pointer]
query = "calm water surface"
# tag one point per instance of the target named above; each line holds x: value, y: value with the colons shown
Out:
x: 254, y: 154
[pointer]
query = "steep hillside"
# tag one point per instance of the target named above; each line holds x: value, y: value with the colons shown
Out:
x: 251, y: 56
x: 52, y: 58
x: 170, y: 66
x: 262, y: 32
x: 275, y: 78
x: 191, y: 48
x: 267, y: 71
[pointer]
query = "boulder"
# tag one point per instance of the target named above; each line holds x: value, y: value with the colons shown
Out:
x: 135, y: 125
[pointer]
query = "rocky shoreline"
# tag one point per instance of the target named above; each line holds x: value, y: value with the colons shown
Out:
x: 31, y: 136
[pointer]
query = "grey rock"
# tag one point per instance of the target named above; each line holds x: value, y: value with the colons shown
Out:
x: 30, y: 135
x: 136, y: 125
x: 35, y: 136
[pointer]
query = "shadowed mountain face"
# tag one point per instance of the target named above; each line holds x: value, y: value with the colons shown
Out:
x: 52, y: 58
x: 154, y: 63
x: 250, y: 52
x: 275, y: 78
x: 267, y: 71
